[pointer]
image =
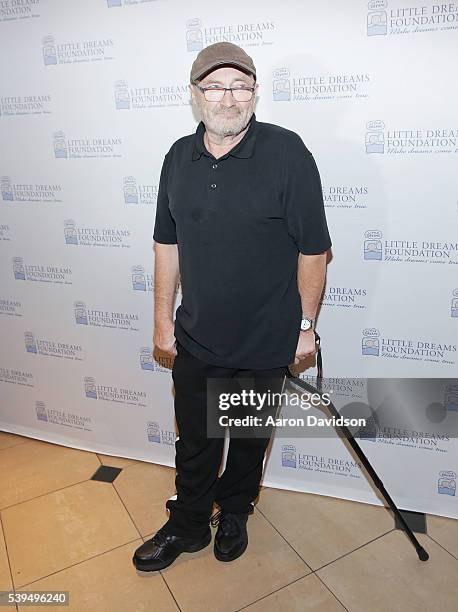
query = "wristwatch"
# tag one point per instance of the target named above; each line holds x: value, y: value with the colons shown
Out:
x: 307, y: 324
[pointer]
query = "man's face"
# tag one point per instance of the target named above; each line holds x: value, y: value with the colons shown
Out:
x: 227, y: 117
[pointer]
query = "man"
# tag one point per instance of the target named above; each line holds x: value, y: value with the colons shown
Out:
x: 240, y: 219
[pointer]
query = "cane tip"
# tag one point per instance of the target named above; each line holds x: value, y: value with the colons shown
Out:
x: 422, y: 554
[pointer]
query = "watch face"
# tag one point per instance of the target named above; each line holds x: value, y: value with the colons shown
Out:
x: 305, y: 324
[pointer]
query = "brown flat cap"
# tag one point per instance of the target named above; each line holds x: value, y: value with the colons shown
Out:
x: 219, y: 54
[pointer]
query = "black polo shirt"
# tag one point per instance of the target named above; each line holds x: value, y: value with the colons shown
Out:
x: 240, y: 222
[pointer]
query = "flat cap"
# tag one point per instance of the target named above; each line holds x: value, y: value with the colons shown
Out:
x: 218, y: 54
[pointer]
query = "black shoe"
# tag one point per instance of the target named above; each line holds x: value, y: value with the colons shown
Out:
x: 231, y: 538
x: 162, y: 549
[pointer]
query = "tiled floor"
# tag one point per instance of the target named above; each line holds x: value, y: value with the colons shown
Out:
x: 60, y: 530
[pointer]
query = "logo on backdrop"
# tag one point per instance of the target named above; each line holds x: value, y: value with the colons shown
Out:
x: 75, y: 148
x: 345, y: 297
x: 451, y: 398
x: 396, y: 436
x: 348, y: 388
x: 18, y: 106
x: 13, y: 376
x: 288, y: 456
x: 346, y: 196
x: 76, y: 52
x: 291, y: 458
x: 11, y: 307
x: 94, y: 236
x: 148, y: 362
x: 38, y: 192
x: 52, y: 348
x: 373, y: 248
x: 446, y: 483
x: 157, y: 435
x: 375, y: 138
x: 383, y: 20
x: 111, y: 393
x: 256, y: 34
x: 150, y: 97
x: 423, y: 141
x: 59, y: 417
x: 454, y: 304
x: 113, y: 3
x: 287, y: 87
x: 407, y: 250
x: 58, y: 275
x: 5, y: 232
x: 105, y: 318
x: 141, y: 281
x: 139, y: 194
x: 12, y: 10
x: 372, y: 344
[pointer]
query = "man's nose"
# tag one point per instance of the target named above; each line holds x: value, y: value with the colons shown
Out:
x: 228, y: 98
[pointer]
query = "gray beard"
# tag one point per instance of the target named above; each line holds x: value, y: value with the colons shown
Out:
x: 225, y: 126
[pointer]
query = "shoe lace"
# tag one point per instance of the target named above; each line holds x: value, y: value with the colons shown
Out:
x: 214, y: 519
x: 227, y: 522
x: 160, y: 538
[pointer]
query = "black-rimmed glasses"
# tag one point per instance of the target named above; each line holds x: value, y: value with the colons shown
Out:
x: 216, y: 94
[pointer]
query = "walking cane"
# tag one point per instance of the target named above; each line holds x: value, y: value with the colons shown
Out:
x: 422, y: 554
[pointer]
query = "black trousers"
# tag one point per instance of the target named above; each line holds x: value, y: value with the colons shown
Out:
x: 198, y: 457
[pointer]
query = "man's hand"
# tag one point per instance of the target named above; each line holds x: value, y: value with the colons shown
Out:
x: 305, y: 346
x: 164, y: 339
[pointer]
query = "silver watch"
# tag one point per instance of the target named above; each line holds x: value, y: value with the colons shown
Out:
x: 307, y: 324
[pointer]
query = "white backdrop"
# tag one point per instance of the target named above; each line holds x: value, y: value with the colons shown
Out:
x: 92, y: 96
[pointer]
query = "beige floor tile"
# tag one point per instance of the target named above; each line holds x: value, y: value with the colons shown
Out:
x: 120, y: 462
x: 309, y: 593
x: 39, y: 467
x: 5, y: 574
x: 6, y: 583
x: 199, y: 582
x: 108, y: 583
x: 386, y: 576
x: 320, y: 528
x: 9, y: 439
x: 144, y: 488
x: 54, y: 531
x: 444, y: 531
x: 3, y: 602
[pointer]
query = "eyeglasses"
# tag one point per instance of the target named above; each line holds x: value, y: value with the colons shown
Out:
x: 216, y: 94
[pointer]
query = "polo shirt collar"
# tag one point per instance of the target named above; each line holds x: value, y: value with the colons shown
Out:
x: 243, y: 149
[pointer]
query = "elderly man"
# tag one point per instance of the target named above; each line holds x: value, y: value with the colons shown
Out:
x: 240, y: 219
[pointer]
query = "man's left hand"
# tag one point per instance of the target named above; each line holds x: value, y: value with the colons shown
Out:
x: 305, y: 346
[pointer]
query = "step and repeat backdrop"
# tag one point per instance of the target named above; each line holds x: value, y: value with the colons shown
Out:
x: 92, y: 96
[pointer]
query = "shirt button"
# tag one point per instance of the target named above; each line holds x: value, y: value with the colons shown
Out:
x: 213, y: 185
x: 214, y: 166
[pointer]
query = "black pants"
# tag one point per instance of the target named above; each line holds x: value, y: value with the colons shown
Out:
x: 198, y: 457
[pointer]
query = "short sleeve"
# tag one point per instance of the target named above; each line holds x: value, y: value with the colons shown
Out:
x: 164, y: 226
x: 303, y: 201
